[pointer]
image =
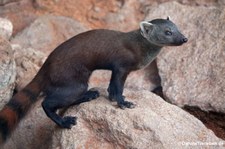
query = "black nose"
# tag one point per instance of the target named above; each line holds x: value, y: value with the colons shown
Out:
x: 184, y: 40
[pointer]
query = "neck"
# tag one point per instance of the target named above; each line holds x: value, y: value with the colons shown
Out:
x: 144, y: 41
x: 146, y: 50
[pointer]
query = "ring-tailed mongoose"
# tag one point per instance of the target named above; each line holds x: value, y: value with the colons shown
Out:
x: 63, y: 78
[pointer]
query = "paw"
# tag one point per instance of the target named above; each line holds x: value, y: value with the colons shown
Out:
x: 92, y: 95
x: 68, y: 122
x: 126, y: 104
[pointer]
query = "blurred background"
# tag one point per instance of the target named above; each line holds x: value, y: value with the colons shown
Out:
x: 115, y: 14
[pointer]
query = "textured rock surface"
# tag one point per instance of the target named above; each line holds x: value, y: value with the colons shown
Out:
x: 7, y: 71
x: 28, y: 62
x: 47, y: 32
x: 98, y: 14
x: 153, y: 123
x: 193, y: 74
x: 6, y: 28
x: 34, y: 131
x: 20, y: 12
x: 3, y: 2
x: 118, y: 19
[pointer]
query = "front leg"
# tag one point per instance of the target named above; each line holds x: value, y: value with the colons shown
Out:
x: 116, y: 86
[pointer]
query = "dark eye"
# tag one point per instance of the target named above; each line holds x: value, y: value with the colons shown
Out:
x: 169, y: 33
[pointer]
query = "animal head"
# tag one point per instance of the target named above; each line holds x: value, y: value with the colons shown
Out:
x: 162, y: 32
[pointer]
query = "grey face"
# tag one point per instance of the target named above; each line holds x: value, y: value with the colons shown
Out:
x: 162, y: 32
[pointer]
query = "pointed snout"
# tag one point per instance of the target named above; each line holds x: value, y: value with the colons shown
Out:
x: 181, y: 40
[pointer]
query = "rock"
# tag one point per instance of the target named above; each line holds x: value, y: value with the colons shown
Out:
x: 3, y: 2
x: 193, y: 74
x: 119, y: 20
x: 28, y: 62
x: 153, y: 123
x: 47, y: 32
x: 33, y: 132
x: 20, y: 12
x: 144, y: 79
x: 7, y: 71
x: 6, y: 28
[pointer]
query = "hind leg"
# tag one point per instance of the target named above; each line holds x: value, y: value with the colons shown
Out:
x: 60, y: 97
x: 90, y: 95
x: 50, y: 110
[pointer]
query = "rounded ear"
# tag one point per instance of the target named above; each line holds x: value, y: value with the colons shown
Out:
x: 168, y: 18
x: 146, y: 27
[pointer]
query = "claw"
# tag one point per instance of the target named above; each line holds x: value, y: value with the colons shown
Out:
x: 69, y: 121
x: 92, y: 95
x: 126, y: 104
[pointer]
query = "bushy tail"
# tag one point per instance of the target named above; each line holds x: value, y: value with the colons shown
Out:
x: 17, y: 107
